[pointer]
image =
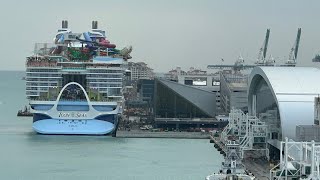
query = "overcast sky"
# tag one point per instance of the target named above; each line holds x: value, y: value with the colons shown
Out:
x: 167, y: 33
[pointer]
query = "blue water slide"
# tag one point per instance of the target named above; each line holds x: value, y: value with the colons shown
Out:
x: 87, y: 38
x: 61, y: 38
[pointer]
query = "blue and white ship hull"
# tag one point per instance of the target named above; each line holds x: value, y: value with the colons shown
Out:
x: 75, y: 117
x: 81, y: 127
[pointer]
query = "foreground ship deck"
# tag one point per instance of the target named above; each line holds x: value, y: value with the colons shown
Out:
x: 75, y: 85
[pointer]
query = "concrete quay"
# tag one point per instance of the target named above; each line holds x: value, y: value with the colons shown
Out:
x: 163, y: 134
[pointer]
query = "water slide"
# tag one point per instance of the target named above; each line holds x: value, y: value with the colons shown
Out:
x: 58, y: 40
x: 102, y: 41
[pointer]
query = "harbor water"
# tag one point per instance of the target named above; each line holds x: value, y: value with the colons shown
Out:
x: 26, y: 155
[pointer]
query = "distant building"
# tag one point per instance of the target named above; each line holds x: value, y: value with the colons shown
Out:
x: 145, y: 88
x: 197, y: 78
x: 207, y: 82
x: 173, y: 74
x: 233, y: 91
x: 140, y: 70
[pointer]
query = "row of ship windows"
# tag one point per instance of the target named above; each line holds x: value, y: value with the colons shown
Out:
x: 110, y: 92
x: 56, y: 83
x: 42, y: 84
x: 42, y: 70
x: 104, y: 80
x: 32, y: 93
x: 37, y: 88
x: 104, y: 76
x: 105, y: 85
x: 105, y: 71
x: 101, y: 88
x: 42, y: 75
x: 90, y: 71
x: 51, y: 72
x: 34, y: 86
x: 88, y: 76
x: 42, y: 79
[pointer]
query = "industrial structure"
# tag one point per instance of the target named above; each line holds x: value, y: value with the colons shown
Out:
x: 262, y: 57
x: 281, y: 122
x: 300, y: 160
x: 247, y: 131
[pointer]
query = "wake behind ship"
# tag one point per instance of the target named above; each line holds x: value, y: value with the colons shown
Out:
x: 74, y: 85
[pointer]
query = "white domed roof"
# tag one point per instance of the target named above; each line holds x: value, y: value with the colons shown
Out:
x: 294, y: 89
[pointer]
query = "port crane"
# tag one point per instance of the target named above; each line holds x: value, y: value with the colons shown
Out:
x: 292, y: 61
x: 261, y: 60
x: 240, y: 64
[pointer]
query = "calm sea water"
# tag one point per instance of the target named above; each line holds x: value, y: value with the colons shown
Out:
x: 25, y: 155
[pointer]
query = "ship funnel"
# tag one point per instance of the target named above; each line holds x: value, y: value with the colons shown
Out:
x: 65, y: 24
x: 94, y: 24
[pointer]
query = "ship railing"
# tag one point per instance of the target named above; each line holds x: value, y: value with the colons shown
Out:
x: 40, y: 62
x: 76, y: 68
x: 73, y: 100
x: 43, y: 48
x: 43, y: 65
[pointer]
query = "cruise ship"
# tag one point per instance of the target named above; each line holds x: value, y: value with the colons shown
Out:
x: 74, y: 85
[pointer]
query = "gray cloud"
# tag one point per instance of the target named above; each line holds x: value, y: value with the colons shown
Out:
x: 167, y: 33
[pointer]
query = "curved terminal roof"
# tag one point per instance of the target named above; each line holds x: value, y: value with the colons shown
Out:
x: 294, y: 89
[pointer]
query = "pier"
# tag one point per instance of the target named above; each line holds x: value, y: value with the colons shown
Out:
x: 249, y: 135
x: 297, y: 160
x: 162, y: 134
x: 259, y: 167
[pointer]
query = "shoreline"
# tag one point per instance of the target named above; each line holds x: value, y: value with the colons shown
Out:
x: 170, y: 134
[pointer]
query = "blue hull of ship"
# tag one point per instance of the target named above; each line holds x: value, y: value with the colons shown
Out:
x: 80, y: 127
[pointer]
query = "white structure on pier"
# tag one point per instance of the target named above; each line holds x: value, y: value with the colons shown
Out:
x: 300, y: 160
x: 248, y: 131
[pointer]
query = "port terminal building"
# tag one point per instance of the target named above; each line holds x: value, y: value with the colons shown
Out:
x: 184, y: 107
x: 284, y: 98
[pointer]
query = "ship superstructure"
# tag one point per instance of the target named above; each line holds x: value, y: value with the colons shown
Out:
x: 75, y: 84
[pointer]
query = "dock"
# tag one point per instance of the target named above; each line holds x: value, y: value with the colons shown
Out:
x: 260, y: 167
x: 162, y: 134
x: 253, y: 162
